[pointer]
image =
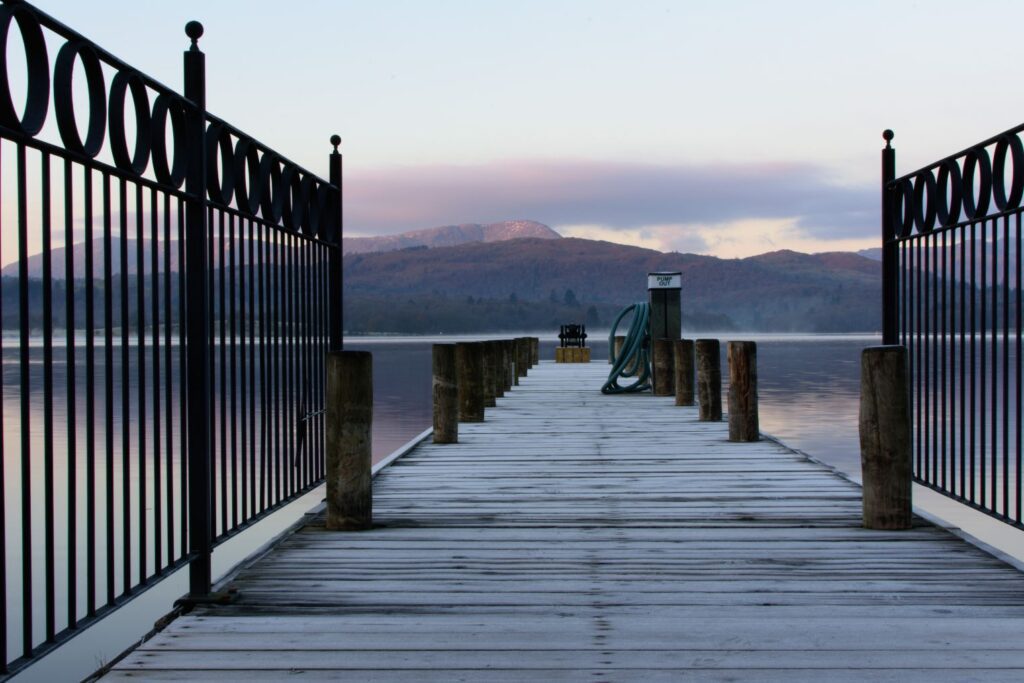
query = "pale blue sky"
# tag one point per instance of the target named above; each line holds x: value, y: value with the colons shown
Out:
x: 724, y: 127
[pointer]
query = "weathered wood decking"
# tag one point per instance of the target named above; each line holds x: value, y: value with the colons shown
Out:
x: 580, y: 537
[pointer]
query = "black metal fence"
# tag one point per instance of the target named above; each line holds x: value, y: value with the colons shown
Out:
x: 951, y: 294
x: 169, y: 289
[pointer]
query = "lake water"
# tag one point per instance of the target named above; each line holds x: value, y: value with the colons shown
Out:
x: 809, y: 394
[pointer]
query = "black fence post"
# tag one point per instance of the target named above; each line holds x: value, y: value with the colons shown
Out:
x: 335, y: 298
x: 196, y: 331
x: 890, y: 268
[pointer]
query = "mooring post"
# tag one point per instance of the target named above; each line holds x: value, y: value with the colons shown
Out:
x: 470, y: 381
x: 349, y: 441
x: 497, y: 367
x: 534, y: 351
x: 487, y: 375
x: 446, y: 395
x: 682, y: 351
x: 522, y: 356
x: 662, y: 365
x: 709, y: 380
x: 514, y: 355
x: 743, y: 423
x: 508, y: 364
x: 885, y: 438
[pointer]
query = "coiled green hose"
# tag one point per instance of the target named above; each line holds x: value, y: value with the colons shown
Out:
x: 635, y: 358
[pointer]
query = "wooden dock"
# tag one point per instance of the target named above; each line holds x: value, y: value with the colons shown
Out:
x: 581, y: 537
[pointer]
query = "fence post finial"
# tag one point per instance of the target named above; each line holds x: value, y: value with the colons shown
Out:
x: 336, y: 141
x: 888, y: 135
x: 194, y: 30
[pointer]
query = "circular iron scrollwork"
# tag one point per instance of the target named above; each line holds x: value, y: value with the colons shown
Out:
x: 64, y: 103
x: 166, y: 108
x: 123, y: 83
x: 37, y: 99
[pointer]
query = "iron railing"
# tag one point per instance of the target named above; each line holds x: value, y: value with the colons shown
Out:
x: 951, y: 294
x: 164, y: 388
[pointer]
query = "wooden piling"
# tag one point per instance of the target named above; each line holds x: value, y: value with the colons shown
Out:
x: 534, y: 351
x: 662, y: 366
x: 497, y: 367
x: 349, y: 423
x: 885, y: 438
x: 682, y: 351
x: 743, y: 422
x: 487, y: 371
x: 709, y: 380
x: 508, y: 356
x: 446, y: 395
x: 470, y: 381
x: 522, y: 356
x: 514, y: 351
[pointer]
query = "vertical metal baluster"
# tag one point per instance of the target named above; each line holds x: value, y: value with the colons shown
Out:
x: 923, y: 364
x: 994, y: 456
x: 276, y: 296
x: 154, y: 255
x: 927, y: 364
x: 1006, y: 366
x: 941, y: 415
x: 221, y: 319
x: 287, y: 382
x: 235, y: 387
x: 3, y: 487
x: 1017, y: 339
x: 108, y: 377
x: 963, y: 358
x: 90, y: 403
x: 263, y: 249
x: 26, y: 407
x: 252, y: 371
x: 49, y: 499
x: 933, y: 340
x: 919, y: 365
x: 183, y: 413
x: 291, y: 382
x: 951, y: 331
x: 320, y: 354
x: 126, y: 487
x: 169, y: 381
x: 974, y: 357
x: 140, y: 288
x: 983, y: 362
x: 211, y: 327
x: 72, y: 396
x: 307, y: 337
x: 243, y: 388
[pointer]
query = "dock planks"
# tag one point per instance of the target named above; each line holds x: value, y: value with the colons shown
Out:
x: 580, y: 537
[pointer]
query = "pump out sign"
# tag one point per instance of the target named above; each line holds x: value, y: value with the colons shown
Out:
x: 664, y: 281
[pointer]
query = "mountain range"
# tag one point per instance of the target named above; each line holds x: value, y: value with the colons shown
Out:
x: 449, y: 235
x: 781, y: 291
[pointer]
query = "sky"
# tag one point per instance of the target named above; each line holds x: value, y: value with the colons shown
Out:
x: 727, y: 128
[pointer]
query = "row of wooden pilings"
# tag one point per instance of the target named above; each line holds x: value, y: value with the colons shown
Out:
x: 884, y: 425
x: 468, y: 378
x: 691, y: 370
